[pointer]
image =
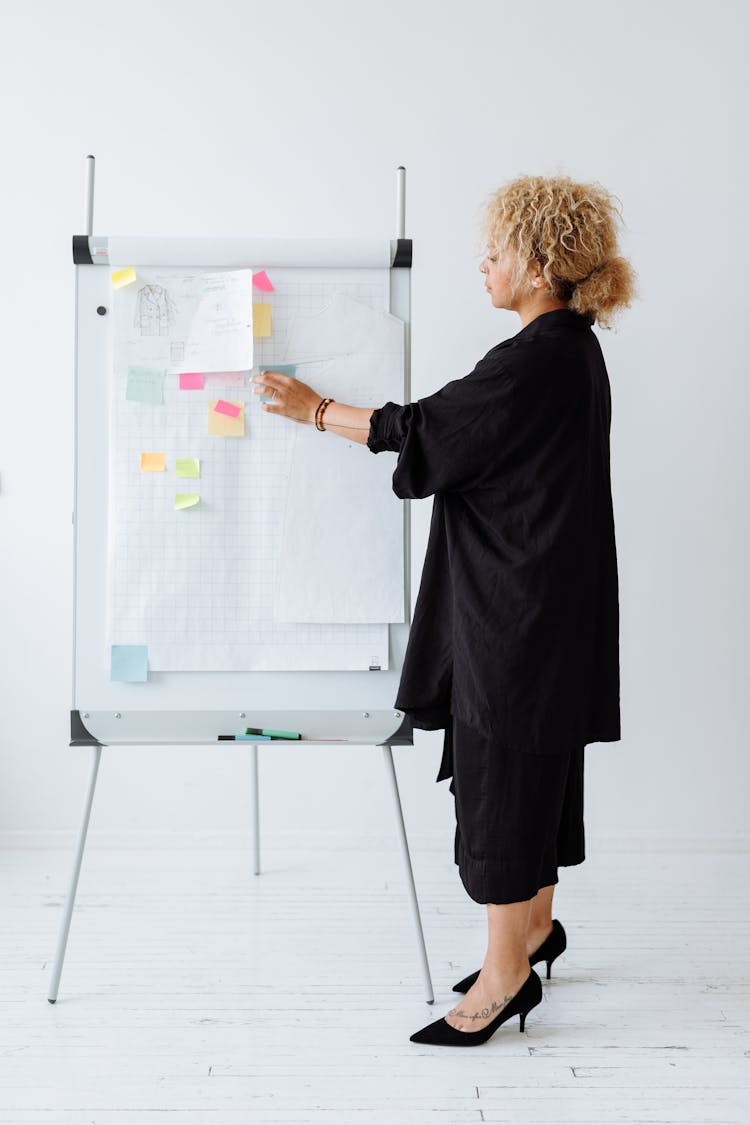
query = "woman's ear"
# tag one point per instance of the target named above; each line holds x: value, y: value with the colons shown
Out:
x: 535, y: 273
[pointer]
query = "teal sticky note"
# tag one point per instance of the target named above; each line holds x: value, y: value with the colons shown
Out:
x: 284, y: 368
x: 129, y: 664
x: 145, y: 384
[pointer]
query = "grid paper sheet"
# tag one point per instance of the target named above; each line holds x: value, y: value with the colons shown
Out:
x: 197, y: 586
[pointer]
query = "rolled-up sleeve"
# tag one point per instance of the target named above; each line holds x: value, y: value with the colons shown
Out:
x: 449, y: 441
x: 386, y: 431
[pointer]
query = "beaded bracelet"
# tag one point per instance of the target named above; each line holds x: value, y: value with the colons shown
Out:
x: 322, y: 406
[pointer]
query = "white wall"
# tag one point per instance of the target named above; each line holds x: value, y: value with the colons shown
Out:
x: 229, y: 117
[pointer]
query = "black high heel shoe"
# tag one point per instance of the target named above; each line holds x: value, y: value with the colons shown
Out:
x: 442, y: 1033
x: 552, y: 946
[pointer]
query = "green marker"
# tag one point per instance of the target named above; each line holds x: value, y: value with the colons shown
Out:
x: 273, y: 733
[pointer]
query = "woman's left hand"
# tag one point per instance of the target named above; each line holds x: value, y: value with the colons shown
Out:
x: 291, y: 397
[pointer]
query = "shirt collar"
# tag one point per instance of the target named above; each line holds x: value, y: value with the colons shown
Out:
x: 555, y: 318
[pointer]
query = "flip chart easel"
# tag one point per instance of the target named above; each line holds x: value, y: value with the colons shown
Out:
x: 206, y: 707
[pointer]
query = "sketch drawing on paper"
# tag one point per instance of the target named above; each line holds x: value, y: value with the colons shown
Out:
x: 155, y: 311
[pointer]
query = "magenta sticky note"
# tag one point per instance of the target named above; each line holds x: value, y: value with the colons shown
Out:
x: 227, y: 408
x: 262, y: 281
x: 191, y: 381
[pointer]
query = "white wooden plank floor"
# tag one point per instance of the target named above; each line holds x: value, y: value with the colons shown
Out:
x: 196, y: 992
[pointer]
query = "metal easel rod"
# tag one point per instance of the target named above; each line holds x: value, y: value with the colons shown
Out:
x: 89, y: 222
x: 70, y: 898
x: 401, y: 202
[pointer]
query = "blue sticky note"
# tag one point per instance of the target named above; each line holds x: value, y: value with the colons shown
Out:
x: 284, y: 368
x: 145, y: 384
x: 253, y: 738
x: 129, y: 664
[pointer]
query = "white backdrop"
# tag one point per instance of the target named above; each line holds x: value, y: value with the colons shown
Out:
x: 290, y: 118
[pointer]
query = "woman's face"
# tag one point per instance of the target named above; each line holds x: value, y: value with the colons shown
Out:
x: 497, y: 269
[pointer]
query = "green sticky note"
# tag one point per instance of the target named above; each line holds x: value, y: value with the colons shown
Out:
x: 187, y: 467
x: 129, y: 664
x: 145, y: 384
x: 186, y: 500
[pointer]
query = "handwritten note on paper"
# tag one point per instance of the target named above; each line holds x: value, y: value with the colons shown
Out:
x: 129, y: 664
x: 261, y: 321
x: 187, y: 467
x: 262, y: 281
x: 231, y: 409
x: 145, y: 384
x: 122, y: 277
x: 191, y: 380
x: 186, y: 500
x: 284, y: 368
x: 222, y: 425
x: 153, y: 462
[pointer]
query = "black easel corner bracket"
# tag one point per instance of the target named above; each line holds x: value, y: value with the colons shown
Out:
x: 402, y: 257
x: 404, y: 736
x: 79, y: 735
x: 81, y: 251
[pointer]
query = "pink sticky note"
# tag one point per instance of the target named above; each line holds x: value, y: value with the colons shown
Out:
x: 227, y: 408
x: 227, y: 378
x: 262, y: 281
x: 191, y: 381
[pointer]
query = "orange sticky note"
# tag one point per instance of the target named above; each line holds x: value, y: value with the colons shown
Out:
x: 222, y: 425
x: 261, y: 320
x: 153, y: 462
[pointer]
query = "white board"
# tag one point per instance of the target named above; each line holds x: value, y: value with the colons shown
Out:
x: 265, y: 670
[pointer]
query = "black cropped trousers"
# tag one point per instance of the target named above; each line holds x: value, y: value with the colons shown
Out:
x: 519, y: 816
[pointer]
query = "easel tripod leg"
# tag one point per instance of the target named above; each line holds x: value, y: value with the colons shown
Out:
x: 62, y: 939
x: 256, y: 808
x: 390, y: 769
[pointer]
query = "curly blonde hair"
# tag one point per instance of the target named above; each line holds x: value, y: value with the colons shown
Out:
x: 570, y: 230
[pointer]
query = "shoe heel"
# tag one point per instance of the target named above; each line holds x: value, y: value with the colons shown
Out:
x: 549, y: 968
x: 536, y: 988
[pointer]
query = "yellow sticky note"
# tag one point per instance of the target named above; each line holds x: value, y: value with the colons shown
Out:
x: 153, y: 462
x: 186, y: 500
x: 223, y: 424
x: 261, y: 320
x: 122, y: 277
x: 187, y: 467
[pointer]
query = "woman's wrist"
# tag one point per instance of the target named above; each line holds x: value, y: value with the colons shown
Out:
x: 319, y: 413
x: 351, y: 422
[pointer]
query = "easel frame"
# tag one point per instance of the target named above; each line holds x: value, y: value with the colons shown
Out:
x: 94, y: 731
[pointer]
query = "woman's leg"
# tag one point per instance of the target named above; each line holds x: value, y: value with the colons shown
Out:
x: 540, y: 918
x: 505, y: 968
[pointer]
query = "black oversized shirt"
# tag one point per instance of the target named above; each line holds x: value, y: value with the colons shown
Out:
x: 516, y: 625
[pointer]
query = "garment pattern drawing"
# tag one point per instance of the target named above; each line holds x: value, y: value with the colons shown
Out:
x: 155, y: 311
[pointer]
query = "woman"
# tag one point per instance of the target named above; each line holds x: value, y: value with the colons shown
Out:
x: 514, y: 643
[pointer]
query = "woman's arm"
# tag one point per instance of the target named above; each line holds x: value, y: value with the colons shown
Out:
x: 296, y: 400
x: 352, y: 422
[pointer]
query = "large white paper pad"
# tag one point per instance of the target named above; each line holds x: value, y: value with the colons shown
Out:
x: 342, y: 553
x: 197, y: 587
